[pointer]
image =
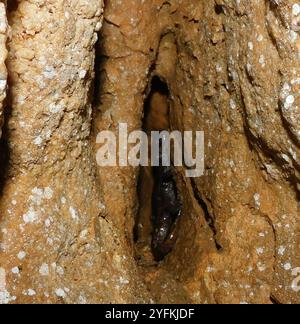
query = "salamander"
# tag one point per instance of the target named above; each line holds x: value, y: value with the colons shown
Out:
x: 166, y: 209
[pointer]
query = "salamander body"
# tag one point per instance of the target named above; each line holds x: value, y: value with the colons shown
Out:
x: 166, y: 208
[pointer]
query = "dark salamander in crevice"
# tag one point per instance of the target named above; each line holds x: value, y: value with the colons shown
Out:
x: 159, y: 203
x: 166, y: 208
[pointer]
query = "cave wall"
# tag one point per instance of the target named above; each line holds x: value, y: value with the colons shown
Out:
x: 56, y: 246
x: 67, y: 225
x: 226, y: 64
x: 3, y: 55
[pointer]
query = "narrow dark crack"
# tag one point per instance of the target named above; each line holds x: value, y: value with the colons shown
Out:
x: 274, y: 300
x: 208, y: 217
x: 4, y: 156
x: 4, y: 141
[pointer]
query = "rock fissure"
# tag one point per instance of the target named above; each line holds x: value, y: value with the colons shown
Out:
x: 74, y: 232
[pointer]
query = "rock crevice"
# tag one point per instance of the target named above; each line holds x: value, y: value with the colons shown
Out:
x: 78, y: 67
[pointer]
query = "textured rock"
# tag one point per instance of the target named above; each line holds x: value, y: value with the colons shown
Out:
x: 232, y: 70
x: 3, y: 55
x: 56, y: 245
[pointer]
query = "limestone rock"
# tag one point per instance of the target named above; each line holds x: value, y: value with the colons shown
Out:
x: 232, y: 71
x: 56, y: 246
x: 67, y: 225
x: 3, y: 55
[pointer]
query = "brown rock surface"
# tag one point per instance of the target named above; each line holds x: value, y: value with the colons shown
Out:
x: 67, y: 225
x: 3, y: 55
x: 56, y: 245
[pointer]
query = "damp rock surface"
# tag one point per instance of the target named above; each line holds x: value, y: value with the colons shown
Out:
x: 67, y: 225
